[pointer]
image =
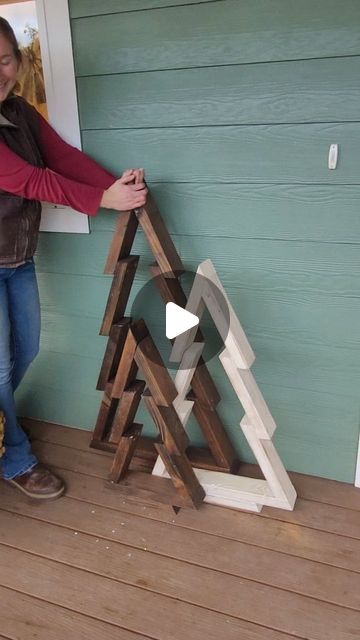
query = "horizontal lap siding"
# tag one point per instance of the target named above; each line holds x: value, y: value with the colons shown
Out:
x: 231, y: 107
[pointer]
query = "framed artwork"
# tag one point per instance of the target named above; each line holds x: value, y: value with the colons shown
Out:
x: 47, y: 80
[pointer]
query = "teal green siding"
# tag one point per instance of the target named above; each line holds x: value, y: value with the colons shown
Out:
x: 231, y: 107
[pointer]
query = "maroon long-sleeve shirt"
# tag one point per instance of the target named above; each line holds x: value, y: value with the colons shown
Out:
x: 70, y: 177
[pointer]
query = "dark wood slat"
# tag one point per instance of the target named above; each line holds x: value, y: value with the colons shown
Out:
x: 22, y: 615
x: 124, y: 453
x: 104, y: 420
x: 122, y: 240
x: 189, y: 491
x: 113, y: 352
x: 216, y: 436
x: 171, y: 290
x: 202, y: 383
x: 159, y: 239
x: 127, y: 368
x: 167, y: 421
x: 204, y: 387
x: 126, y: 410
x: 119, y: 293
x: 157, y: 377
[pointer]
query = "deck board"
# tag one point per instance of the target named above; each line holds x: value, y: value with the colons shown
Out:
x: 285, y: 574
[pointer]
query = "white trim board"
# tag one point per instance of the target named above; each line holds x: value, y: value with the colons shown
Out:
x: 60, y: 87
x: 357, y: 472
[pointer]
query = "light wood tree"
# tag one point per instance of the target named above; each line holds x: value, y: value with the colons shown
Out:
x: 258, y: 425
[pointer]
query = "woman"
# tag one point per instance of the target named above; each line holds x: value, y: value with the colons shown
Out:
x: 36, y: 164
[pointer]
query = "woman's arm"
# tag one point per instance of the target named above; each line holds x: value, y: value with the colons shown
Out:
x: 21, y: 178
x: 71, y: 163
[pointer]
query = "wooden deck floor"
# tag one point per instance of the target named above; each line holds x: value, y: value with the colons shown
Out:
x: 114, y: 564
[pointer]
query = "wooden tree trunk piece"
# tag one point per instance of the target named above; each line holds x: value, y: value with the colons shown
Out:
x: 159, y: 239
x: 122, y: 241
x: 124, y: 453
x: 126, y: 410
x: 188, y: 488
x: 114, y: 348
x: 119, y: 293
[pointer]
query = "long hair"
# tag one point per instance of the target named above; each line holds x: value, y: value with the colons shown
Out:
x: 8, y: 33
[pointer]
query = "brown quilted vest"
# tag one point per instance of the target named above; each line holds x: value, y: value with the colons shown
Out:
x: 19, y: 217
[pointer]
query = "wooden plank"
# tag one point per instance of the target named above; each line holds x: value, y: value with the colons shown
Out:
x: 202, y: 383
x: 262, y: 534
x: 200, y: 160
x: 126, y: 410
x: 159, y: 239
x: 127, y: 368
x: 204, y: 387
x: 124, y: 453
x: 134, y: 605
x: 119, y: 293
x: 257, y: 535
x: 122, y: 240
x: 215, y: 434
x: 113, y: 352
x: 22, y: 614
x: 325, y: 518
x: 188, y: 489
x: 232, y: 95
x: 171, y: 290
x: 171, y: 430
x: 104, y: 420
x: 318, y: 581
x: 157, y: 377
x: 208, y: 34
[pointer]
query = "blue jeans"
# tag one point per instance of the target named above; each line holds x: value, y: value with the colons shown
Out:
x: 19, y: 344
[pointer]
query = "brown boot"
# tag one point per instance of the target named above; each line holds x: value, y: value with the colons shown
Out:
x: 39, y: 483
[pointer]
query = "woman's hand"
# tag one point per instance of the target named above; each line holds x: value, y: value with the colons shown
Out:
x: 128, y: 192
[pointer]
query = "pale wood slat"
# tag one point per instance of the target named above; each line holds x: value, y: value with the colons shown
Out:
x: 24, y: 617
x: 153, y: 571
x: 130, y: 607
x: 313, y: 488
x: 327, y: 518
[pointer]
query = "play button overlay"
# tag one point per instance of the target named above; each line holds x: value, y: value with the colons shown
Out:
x: 178, y: 320
x: 161, y: 303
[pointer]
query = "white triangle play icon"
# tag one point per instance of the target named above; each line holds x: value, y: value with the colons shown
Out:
x: 178, y: 320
